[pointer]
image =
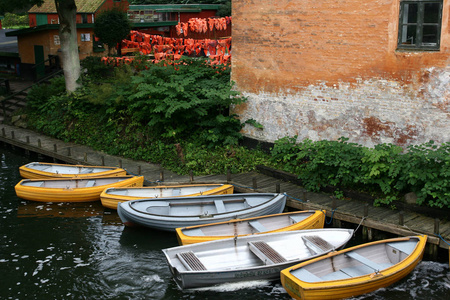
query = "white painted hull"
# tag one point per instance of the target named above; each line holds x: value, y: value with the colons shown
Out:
x: 232, y: 260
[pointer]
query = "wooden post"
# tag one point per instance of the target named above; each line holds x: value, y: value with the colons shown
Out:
x: 161, y: 175
x: 333, y: 203
x: 255, y: 186
x: 68, y: 151
x: 55, y: 148
x: 139, y: 170
x: 401, y: 218
x: 228, y: 175
x: 277, y: 188
x: 27, y: 138
x: 39, y: 143
x: 304, y: 196
x: 191, y: 176
x: 102, y: 158
x: 366, y: 209
x: 120, y: 163
x: 85, y: 157
x: 435, y: 248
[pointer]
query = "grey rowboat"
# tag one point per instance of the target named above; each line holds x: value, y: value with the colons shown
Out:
x: 170, y: 213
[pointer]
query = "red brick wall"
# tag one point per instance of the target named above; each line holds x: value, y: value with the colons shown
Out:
x: 324, y: 51
x: 296, y: 43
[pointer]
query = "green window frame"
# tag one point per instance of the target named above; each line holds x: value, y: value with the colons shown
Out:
x: 420, y: 25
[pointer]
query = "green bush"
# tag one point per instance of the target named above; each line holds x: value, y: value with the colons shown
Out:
x: 39, y: 94
x: 386, y: 171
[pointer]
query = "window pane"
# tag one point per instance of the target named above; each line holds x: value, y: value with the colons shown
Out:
x: 431, y: 13
x: 409, y: 34
x: 430, y: 35
x: 410, y: 13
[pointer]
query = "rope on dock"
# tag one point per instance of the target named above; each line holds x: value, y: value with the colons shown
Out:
x: 362, y: 220
x: 331, y: 218
x: 439, y: 235
x: 294, y: 198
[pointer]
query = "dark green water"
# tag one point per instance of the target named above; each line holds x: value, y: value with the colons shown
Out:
x: 82, y: 251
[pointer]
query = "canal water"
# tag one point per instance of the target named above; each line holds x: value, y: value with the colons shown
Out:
x: 82, y: 251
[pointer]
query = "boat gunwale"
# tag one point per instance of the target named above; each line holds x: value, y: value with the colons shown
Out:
x: 410, y: 260
x: 108, y: 171
x: 180, y: 231
x: 130, y: 203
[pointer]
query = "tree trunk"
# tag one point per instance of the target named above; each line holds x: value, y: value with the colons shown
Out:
x: 67, y: 11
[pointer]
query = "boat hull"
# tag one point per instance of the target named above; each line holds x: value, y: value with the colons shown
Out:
x: 242, y: 227
x: 231, y: 260
x: 66, y: 190
x: 345, y: 288
x: 190, y: 216
x: 42, y: 170
x: 110, y: 198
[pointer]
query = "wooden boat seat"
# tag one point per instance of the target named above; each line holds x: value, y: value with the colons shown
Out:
x: 305, y: 275
x: 220, y: 206
x: 317, y: 244
x: 36, y: 184
x: 257, y: 226
x: 266, y: 253
x: 86, y: 171
x: 365, y: 261
x: 176, y: 192
x: 193, y: 232
x: 298, y: 218
x: 190, y: 261
x: 356, y: 271
x: 405, y: 247
x: 90, y: 183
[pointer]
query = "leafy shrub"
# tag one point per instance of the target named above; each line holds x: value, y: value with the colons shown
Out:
x: 94, y: 68
x: 386, y: 170
x: 39, y: 94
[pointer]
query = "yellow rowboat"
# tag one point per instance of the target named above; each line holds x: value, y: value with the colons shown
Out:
x: 354, y: 271
x: 111, y: 197
x: 71, y: 189
x: 41, y: 170
x: 309, y: 219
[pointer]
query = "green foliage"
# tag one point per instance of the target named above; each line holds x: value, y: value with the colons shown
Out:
x: 386, y: 171
x: 38, y: 96
x: 185, y: 100
x: 111, y: 27
x: 15, y: 20
x: 426, y: 171
x: 95, y: 69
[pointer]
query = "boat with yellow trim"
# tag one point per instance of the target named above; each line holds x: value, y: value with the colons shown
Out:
x: 298, y: 220
x: 71, y: 189
x: 354, y: 271
x: 111, y: 197
x: 42, y: 170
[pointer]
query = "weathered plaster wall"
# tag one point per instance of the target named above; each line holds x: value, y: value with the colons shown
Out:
x: 325, y: 69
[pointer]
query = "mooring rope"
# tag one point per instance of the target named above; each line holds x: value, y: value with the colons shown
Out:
x: 362, y: 220
x: 439, y: 235
x: 331, y: 218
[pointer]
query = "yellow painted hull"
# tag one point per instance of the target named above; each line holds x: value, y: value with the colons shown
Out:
x: 111, y: 201
x: 314, y: 221
x: 345, y: 288
x: 56, y: 192
x: 31, y: 173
